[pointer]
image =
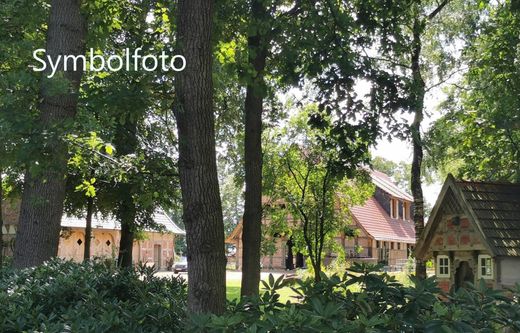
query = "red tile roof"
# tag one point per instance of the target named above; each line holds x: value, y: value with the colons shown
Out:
x: 385, y: 183
x: 374, y: 219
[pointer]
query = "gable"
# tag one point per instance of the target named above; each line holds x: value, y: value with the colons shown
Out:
x: 493, y: 212
x: 453, y: 229
x: 451, y: 226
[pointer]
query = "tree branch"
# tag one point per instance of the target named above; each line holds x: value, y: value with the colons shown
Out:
x: 438, y: 9
x: 445, y: 79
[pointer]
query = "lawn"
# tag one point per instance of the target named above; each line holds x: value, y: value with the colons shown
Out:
x: 233, y: 291
x: 287, y: 294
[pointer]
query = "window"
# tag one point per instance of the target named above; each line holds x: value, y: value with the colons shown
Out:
x: 378, y: 245
x: 394, y: 208
x: 485, y: 267
x: 392, y: 245
x: 443, y: 266
x: 398, y: 246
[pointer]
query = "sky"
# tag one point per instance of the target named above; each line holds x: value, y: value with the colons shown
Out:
x: 399, y: 150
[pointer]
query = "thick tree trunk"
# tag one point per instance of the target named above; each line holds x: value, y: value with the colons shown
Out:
x: 418, y: 106
x: 126, y: 213
x: 88, y: 228
x: 252, y: 219
x: 127, y: 142
x: 124, y: 259
x: 38, y: 232
x: 202, y: 208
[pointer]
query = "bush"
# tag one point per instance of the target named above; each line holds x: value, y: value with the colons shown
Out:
x: 63, y: 296
x: 381, y: 305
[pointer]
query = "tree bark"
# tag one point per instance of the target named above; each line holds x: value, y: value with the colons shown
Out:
x: 252, y: 218
x: 88, y: 228
x: 202, y: 208
x: 126, y: 243
x: 418, y: 109
x: 41, y: 210
x: 126, y: 215
x: 126, y: 212
x: 290, y: 257
x: 300, y: 262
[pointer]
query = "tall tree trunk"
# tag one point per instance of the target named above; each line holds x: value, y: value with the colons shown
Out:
x: 38, y: 232
x: 252, y: 219
x: 126, y: 215
x: 126, y: 141
x: 202, y: 208
x: 1, y: 220
x: 124, y: 259
x: 300, y: 261
x: 418, y: 108
x: 88, y: 228
x: 290, y: 257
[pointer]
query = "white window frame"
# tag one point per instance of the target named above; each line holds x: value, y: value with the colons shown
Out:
x: 484, y: 256
x: 438, y: 266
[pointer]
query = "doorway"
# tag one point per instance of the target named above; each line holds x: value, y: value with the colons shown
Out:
x: 157, y: 256
x: 463, y: 274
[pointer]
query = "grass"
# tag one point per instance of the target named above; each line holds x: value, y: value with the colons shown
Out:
x: 233, y: 291
x: 287, y: 294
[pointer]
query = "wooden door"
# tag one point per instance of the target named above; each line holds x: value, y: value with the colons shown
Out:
x: 157, y: 256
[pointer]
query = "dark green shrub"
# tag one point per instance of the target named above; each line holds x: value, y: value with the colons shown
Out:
x: 381, y: 305
x: 97, y: 297
x: 62, y: 296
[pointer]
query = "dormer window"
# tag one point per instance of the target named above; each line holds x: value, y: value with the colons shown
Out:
x: 406, y: 210
x: 394, y: 208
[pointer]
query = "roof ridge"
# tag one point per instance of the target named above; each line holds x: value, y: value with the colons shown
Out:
x: 494, y: 182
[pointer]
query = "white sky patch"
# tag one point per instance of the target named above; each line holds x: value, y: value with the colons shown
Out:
x: 398, y: 150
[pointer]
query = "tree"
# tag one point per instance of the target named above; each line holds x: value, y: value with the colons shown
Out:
x: 478, y: 137
x: 252, y: 221
x: 129, y: 109
x: 422, y: 15
x: 202, y: 210
x: 313, y: 194
x: 90, y: 162
x: 388, y: 52
x: 42, y: 201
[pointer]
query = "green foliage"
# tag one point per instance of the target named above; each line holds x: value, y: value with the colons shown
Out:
x: 62, y: 296
x: 98, y: 297
x: 479, y: 135
x: 310, y: 196
x: 380, y: 305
